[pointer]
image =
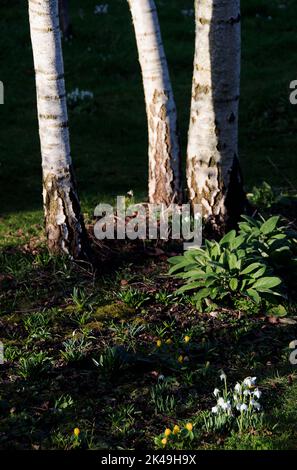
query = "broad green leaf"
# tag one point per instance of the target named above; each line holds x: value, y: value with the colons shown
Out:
x: 277, y: 311
x: 250, y: 268
x: 233, y: 284
x: 228, y: 237
x: 192, y: 286
x: 267, y: 283
x: 269, y: 225
x: 253, y: 294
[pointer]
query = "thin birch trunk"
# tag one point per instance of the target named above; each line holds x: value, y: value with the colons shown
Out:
x: 213, y: 174
x: 63, y: 220
x: 164, y: 146
x: 65, y: 23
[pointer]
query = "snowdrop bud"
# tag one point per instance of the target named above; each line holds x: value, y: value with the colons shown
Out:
x: 246, y: 393
x: 243, y: 407
x: 215, y: 409
x: 223, y: 376
x: 257, y: 393
x: 247, y: 382
x: 216, y: 392
x: 238, y: 388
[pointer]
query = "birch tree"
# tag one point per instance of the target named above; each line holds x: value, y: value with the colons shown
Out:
x: 213, y: 174
x: 63, y: 220
x: 164, y: 147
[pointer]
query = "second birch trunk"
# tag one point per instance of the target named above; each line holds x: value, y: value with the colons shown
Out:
x: 164, y: 147
x: 213, y: 175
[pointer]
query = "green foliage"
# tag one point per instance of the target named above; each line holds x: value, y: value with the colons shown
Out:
x: 270, y: 241
x: 34, y: 365
x: 225, y: 270
x: 63, y: 402
x: 122, y: 419
x: 162, y: 398
x: 133, y: 297
x: 37, y: 326
x: 110, y: 362
x: 127, y: 333
x: 75, y: 349
x: 263, y: 197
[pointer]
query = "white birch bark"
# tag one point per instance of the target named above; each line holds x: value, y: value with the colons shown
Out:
x: 64, y: 224
x: 213, y: 176
x: 164, y: 146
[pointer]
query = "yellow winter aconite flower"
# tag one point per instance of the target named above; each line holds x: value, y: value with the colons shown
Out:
x: 176, y: 429
x: 180, y: 359
x: 187, y: 339
x: 159, y: 343
x: 164, y: 441
x: 167, y: 432
x: 169, y: 341
x: 76, y: 432
x: 189, y: 427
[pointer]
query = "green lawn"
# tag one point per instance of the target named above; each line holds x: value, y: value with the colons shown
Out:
x: 56, y: 317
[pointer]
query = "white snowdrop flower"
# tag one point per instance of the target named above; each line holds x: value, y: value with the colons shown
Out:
x: 101, y: 9
x: 215, y: 409
x: 226, y: 406
x: 216, y: 392
x: 243, y: 407
x: 221, y: 402
x: 255, y: 404
x: 161, y: 377
x: 257, y: 393
x: 238, y: 388
x: 223, y: 376
x: 246, y: 393
x: 250, y: 382
x: 238, y: 406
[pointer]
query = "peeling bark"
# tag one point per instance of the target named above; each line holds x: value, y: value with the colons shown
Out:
x: 213, y: 174
x: 164, y: 146
x: 63, y: 220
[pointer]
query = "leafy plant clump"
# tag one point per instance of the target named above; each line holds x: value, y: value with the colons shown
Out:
x: 248, y: 265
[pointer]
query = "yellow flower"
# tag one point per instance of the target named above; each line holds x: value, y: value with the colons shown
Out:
x: 167, y: 432
x: 180, y: 359
x: 164, y: 441
x: 76, y: 432
x: 176, y: 429
x: 169, y: 341
x: 189, y: 427
x: 187, y: 339
x: 159, y: 343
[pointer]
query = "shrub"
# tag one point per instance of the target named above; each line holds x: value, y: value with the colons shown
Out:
x: 223, y: 271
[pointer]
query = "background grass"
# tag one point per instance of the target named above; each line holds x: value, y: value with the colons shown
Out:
x: 109, y: 138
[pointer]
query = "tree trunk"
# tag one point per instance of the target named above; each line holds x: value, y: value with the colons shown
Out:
x: 164, y: 146
x: 65, y: 24
x: 213, y: 174
x: 63, y: 220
